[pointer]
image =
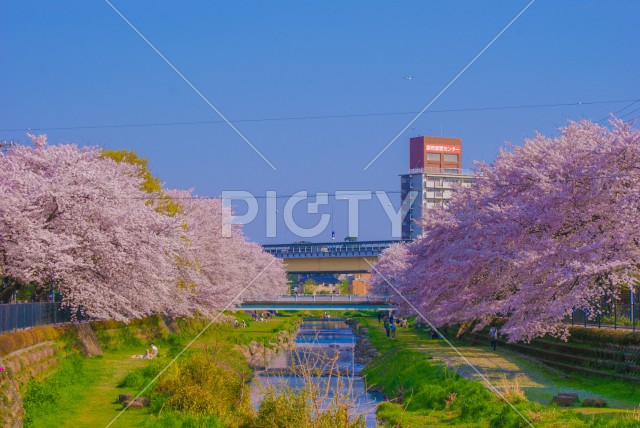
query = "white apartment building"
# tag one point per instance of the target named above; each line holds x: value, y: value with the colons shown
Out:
x: 434, y: 187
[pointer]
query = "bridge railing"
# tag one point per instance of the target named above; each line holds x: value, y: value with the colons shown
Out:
x: 340, y: 298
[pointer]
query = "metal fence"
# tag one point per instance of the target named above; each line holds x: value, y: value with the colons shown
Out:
x: 616, y: 316
x: 14, y: 316
x: 337, y: 298
x: 328, y: 249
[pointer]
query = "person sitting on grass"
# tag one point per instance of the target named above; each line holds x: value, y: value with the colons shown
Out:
x: 149, y: 354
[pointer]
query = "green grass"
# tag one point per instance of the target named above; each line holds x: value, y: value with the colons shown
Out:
x: 260, y: 331
x: 83, y: 392
x: 617, y: 393
x: 424, y: 392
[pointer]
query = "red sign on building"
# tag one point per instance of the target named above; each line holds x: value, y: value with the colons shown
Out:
x: 435, y: 152
x: 442, y: 148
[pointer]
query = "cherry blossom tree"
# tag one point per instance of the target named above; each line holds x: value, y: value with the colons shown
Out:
x: 391, y: 271
x: 549, y: 226
x: 222, y: 265
x: 80, y: 222
x: 88, y: 225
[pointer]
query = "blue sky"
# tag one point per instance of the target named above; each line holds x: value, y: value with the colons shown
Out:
x: 75, y: 64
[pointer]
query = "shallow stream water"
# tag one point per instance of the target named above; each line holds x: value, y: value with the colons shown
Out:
x: 319, y: 341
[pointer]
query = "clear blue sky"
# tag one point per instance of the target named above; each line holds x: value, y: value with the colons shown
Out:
x: 76, y: 63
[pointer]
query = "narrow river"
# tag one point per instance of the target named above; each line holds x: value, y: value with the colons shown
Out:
x: 319, y: 342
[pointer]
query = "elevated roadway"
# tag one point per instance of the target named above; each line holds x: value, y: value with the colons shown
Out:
x: 329, y: 257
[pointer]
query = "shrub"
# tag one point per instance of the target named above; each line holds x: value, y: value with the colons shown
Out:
x: 474, y: 401
x: 284, y: 409
x: 116, y: 335
x: 432, y: 396
x: 139, y: 378
x: 306, y: 407
x: 119, y: 338
x: 173, y: 420
x: 15, y: 340
x: 512, y: 390
x: 505, y: 417
x: 106, y: 325
x: 208, y: 383
x: 194, y: 399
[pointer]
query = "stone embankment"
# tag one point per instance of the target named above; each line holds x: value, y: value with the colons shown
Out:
x: 11, y: 410
x: 25, y: 355
x: 364, y: 351
x: 584, y: 357
x: 258, y: 354
x: 36, y: 352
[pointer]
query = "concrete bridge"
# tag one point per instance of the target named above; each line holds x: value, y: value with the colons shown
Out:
x: 329, y: 257
x: 319, y: 303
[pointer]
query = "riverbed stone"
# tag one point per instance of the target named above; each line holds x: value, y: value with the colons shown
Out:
x: 244, y: 350
x: 594, y: 402
x: 143, y: 401
x: 124, y: 397
x: 565, y: 400
x: 267, y: 353
x: 138, y: 403
x: 256, y: 362
x: 364, y: 350
x: 255, y: 348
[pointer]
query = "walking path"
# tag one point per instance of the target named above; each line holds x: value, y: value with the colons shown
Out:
x: 102, y: 394
x: 94, y: 403
x: 504, y: 368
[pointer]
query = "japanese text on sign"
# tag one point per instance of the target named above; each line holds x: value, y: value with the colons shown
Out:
x: 440, y: 148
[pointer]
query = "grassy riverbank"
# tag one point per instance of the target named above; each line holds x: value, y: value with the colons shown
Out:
x: 207, y: 387
x: 425, y: 392
x: 83, y: 392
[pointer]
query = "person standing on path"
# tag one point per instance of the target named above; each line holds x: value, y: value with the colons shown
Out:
x: 493, y: 337
x: 393, y: 330
x: 387, y: 326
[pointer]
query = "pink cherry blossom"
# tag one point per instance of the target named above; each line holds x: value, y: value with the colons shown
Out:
x: 549, y: 226
x: 82, y: 223
x: 222, y: 266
